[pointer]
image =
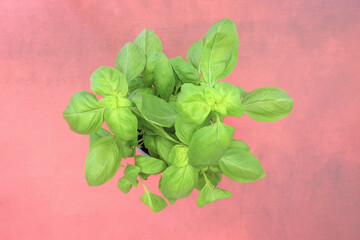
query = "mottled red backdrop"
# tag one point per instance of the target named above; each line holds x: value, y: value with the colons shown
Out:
x: 48, y: 50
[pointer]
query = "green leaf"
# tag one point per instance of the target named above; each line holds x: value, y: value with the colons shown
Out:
x: 99, y: 134
x: 208, y: 144
x: 142, y: 91
x: 130, y: 61
x: 192, y: 105
x: 136, y: 83
x: 148, y: 73
x: 122, y: 122
x: 155, y: 202
x: 185, y: 130
x: 267, y: 104
x: 115, y: 102
x: 102, y: 161
x: 164, y: 146
x: 154, y: 128
x: 124, y: 185
x: 215, y: 100
x: 193, y: 55
x: 209, y: 194
x: 178, y: 156
x: 185, y: 71
x: 212, y: 176
x: 131, y: 174
x: 164, y: 79
x: 230, y: 96
x: 239, y: 144
x: 220, y: 51
x: 155, y: 110
x: 107, y: 81
x: 176, y: 183
x: 148, y: 42
x: 150, y: 143
x: 241, y: 166
x: 126, y: 149
x: 83, y: 113
x: 150, y: 165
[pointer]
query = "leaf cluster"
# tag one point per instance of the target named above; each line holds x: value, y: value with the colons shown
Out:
x: 174, y: 108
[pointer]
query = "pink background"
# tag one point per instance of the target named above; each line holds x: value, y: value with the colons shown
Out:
x: 48, y: 50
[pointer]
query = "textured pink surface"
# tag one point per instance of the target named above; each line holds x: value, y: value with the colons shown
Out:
x: 48, y: 50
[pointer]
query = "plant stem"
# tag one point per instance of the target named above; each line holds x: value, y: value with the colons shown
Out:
x: 142, y: 182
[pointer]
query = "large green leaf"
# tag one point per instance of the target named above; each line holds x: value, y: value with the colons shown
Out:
x: 176, y: 183
x: 99, y: 134
x: 192, y: 105
x: 267, y: 104
x: 150, y: 143
x: 164, y: 147
x: 122, y: 122
x: 209, y: 194
x: 83, y: 113
x: 130, y: 61
x: 164, y: 79
x: 155, y: 109
x: 107, y: 81
x: 185, y: 71
x: 155, y: 202
x: 185, y: 130
x: 241, y: 166
x: 148, y: 42
x: 150, y: 165
x: 209, y: 143
x: 220, y: 51
x: 230, y: 96
x: 102, y: 161
x: 193, y: 55
x: 115, y: 102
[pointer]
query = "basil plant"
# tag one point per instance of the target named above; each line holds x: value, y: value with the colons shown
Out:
x: 172, y: 109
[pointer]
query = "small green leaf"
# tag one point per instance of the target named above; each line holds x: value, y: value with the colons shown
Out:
x: 215, y: 100
x: 130, y: 61
x: 209, y: 194
x: 164, y: 79
x: 107, y: 81
x: 185, y: 130
x: 155, y: 110
x: 164, y: 146
x: 241, y: 166
x: 150, y: 143
x: 230, y: 96
x: 83, y: 113
x: 131, y: 173
x: 267, y: 104
x: 122, y: 122
x: 213, y: 176
x: 176, y: 183
x: 155, y: 202
x: 192, y: 105
x: 239, y: 144
x: 194, y: 53
x: 124, y: 185
x: 150, y: 165
x: 126, y: 149
x: 114, y: 102
x: 209, y: 143
x: 148, y: 42
x: 178, y: 156
x: 99, y: 134
x: 102, y: 161
x: 185, y: 71
x: 220, y: 51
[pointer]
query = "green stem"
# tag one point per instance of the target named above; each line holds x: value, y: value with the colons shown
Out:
x: 122, y: 166
x: 206, y: 179
x: 142, y: 182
